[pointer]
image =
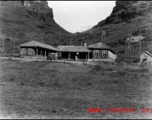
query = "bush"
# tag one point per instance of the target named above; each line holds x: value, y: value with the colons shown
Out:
x: 103, y: 67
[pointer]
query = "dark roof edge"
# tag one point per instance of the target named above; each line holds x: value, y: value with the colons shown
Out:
x: 147, y: 52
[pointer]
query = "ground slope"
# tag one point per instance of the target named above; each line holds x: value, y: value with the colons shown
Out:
x: 24, y: 24
x: 128, y: 18
x: 47, y: 89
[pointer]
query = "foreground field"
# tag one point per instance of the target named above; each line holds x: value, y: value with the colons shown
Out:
x: 60, y: 90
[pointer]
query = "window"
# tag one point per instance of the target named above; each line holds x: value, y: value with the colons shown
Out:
x: 104, y: 54
x: 96, y: 53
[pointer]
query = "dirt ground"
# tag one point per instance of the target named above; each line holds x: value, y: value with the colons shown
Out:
x: 45, y: 89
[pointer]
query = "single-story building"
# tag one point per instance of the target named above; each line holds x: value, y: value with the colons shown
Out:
x: 73, y: 52
x: 95, y: 52
x: 101, y: 52
x: 146, y: 56
x: 37, y: 49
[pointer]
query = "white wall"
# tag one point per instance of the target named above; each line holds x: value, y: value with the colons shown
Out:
x: 29, y: 51
x: 112, y: 55
x: 144, y: 55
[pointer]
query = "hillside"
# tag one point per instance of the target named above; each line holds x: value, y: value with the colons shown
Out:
x: 128, y: 18
x: 24, y: 23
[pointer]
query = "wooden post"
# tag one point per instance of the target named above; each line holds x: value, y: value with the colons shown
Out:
x: 37, y: 52
x: 69, y: 55
x: 3, y: 44
x: 61, y: 55
x: 88, y: 55
x: 45, y: 53
x: 41, y: 53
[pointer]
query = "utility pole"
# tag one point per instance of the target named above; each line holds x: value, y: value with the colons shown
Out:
x: 130, y: 46
x: 43, y: 36
x: 125, y: 51
x: 101, y: 38
x: 70, y: 40
x: 69, y: 36
x: 3, y: 44
x: 139, y: 47
x: 103, y: 34
x: 89, y: 28
x: 14, y: 45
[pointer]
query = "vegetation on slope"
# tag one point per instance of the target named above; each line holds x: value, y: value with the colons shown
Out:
x: 24, y: 24
x: 129, y: 18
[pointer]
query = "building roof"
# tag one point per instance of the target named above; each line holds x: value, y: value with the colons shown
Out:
x: 99, y: 45
x: 38, y: 44
x: 73, y: 49
x: 147, y: 52
x: 135, y: 39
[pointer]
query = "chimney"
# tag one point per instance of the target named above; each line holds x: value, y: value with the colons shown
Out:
x: 85, y: 44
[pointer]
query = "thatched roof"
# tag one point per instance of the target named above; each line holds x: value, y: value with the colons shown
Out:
x: 73, y: 49
x: 38, y: 44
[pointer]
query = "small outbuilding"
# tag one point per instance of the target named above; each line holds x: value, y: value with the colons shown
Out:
x: 37, y: 49
x: 146, y: 56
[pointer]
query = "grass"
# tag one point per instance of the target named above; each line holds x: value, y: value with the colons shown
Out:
x: 50, y: 90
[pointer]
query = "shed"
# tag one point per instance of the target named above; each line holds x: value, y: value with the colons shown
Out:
x: 146, y: 56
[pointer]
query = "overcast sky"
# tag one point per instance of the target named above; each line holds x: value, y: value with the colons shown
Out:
x: 77, y: 16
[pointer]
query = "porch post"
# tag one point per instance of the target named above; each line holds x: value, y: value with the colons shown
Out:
x: 61, y: 55
x: 69, y: 55
x: 36, y: 51
x: 88, y: 55
x: 45, y: 53
x: 41, y: 53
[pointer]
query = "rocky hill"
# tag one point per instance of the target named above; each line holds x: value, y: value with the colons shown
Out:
x: 128, y: 18
x: 23, y: 21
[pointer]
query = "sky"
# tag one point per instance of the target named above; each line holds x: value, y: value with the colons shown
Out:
x: 78, y: 16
